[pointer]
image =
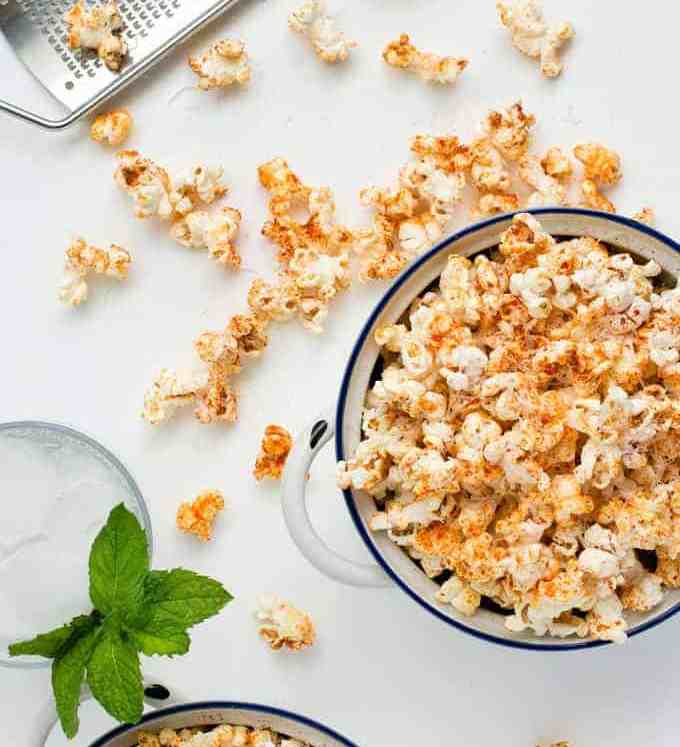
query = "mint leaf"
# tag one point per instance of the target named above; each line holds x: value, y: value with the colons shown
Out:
x: 114, y: 675
x: 182, y: 598
x: 68, y: 673
x: 161, y: 640
x: 119, y: 563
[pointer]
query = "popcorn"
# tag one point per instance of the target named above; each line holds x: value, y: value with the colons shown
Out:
x: 198, y: 516
x: 601, y: 165
x: 510, y: 130
x: 169, y: 392
x: 522, y: 435
x: 312, y: 21
x: 532, y: 36
x: 83, y: 259
x: 222, y: 65
x: 276, y: 445
x: 430, y: 67
x: 548, y: 190
x: 112, y: 128
x: 313, y: 256
x: 224, y: 735
x: 282, y: 625
x: 646, y: 216
x: 214, y: 232
x: 557, y: 164
x: 147, y: 184
x: 98, y: 28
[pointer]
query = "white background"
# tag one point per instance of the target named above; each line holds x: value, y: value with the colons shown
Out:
x: 384, y: 672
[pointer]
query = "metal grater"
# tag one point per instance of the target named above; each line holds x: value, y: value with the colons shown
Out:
x: 78, y: 79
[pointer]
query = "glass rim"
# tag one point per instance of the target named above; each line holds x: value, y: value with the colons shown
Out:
x: 115, y: 462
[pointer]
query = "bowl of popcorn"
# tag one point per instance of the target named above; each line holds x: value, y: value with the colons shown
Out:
x: 223, y: 724
x: 508, y: 434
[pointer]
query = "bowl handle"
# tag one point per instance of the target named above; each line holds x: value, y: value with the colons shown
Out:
x: 39, y: 727
x: 306, y: 446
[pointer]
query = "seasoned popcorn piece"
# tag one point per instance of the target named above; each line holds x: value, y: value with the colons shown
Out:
x: 532, y: 36
x: 548, y: 190
x: 147, y: 184
x: 169, y: 392
x: 510, y: 130
x: 430, y: 67
x: 112, y: 128
x: 556, y: 163
x: 276, y: 445
x: 215, y: 232
x: 593, y: 198
x: 491, y: 177
x: 224, y: 735
x: 600, y: 164
x: 311, y: 21
x: 646, y: 216
x: 314, y: 255
x: 98, y: 28
x: 460, y: 596
x: 83, y: 259
x: 202, y: 185
x: 282, y: 625
x: 222, y: 65
x: 198, y: 516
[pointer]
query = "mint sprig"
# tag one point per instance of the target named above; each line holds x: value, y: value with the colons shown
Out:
x: 135, y: 610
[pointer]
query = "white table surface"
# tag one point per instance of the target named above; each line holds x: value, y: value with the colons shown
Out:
x: 384, y: 672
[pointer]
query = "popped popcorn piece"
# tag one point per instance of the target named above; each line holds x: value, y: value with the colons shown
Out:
x: 221, y: 65
x: 646, y: 216
x: 314, y: 255
x: 600, y: 164
x: 169, y: 392
x: 147, y: 184
x: 203, y: 184
x: 549, y: 191
x: 98, y: 28
x: 510, y: 130
x: 215, y: 232
x: 276, y: 445
x: 312, y: 21
x: 224, y: 735
x: 557, y: 164
x: 198, y: 516
x: 282, y: 625
x: 112, y: 128
x: 532, y: 36
x: 522, y: 435
x: 430, y: 67
x: 83, y: 259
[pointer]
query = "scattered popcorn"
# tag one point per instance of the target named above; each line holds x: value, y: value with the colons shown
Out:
x: 312, y: 21
x: 198, y: 516
x: 169, y: 392
x: 276, y: 445
x: 282, y: 625
x: 147, y: 184
x: 646, y: 216
x: 98, y: 28
x: 549, y: 191
x: 222, y: 65
x: 112, y: 128
x: 556, y: 163
x: 224, y: 735
x: 522, y: 436
x: 215, y: 232
x: 430, y: 67
x: 532, y: 36
x: 593, y: 198
x: 83, y: 259
x: 510, y: 130
x: 313, y: 256
x: 601, y: 165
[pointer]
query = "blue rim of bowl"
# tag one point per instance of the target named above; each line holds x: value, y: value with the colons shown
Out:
x: 78, y: 435
x: 339, y: 415
x: 204, y: 705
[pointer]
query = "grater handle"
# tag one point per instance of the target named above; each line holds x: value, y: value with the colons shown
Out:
x: 37, y: 119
